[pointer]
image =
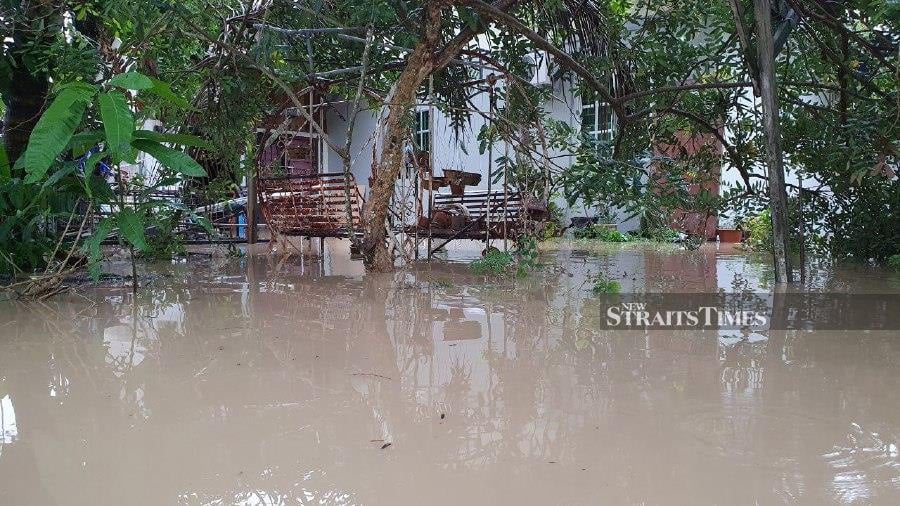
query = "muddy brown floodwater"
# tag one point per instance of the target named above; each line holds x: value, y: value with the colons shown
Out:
x: 245, y: 382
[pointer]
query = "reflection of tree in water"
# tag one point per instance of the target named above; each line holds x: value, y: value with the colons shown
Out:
x: 519, y: 368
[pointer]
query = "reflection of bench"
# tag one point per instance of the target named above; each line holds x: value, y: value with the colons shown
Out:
x: 478, y: 209
x: 309, y: 206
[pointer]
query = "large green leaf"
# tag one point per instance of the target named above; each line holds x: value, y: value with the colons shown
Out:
x: 176, y: 160
x: 96, y: 186
x: 131, y: 81
x: 131, y: 226
x: 53, y: 131
x: 84, y: 141
x: 91, y: 246
x: 179, y: 139
x: 4, y: 164
x: 118, y: 122
x: 164, y: 91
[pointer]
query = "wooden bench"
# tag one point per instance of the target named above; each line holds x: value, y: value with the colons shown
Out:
x: 310, y: 205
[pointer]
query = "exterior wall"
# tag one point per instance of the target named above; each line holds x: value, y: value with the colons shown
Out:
x: 456, y: 150
x: 707, y: 178
x: 362, y: 142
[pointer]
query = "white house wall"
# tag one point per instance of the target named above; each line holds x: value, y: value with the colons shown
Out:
x: 454, y: 150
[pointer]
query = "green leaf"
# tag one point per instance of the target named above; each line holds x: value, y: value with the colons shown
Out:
x: 5, y: 172
x: 82, y: 142
x: 173, y: 159
x: 164, y: 91
x: 470, y: 18
x: 179, y: 139
x: 204, y: 222
x: 132, y: 228
x: 53, y: 131
x: 118, y: 122
x: 89, y: 165
x: 67, y: 169
x: 91, y: 246
x: 98, y: 188
x: 131, y: 81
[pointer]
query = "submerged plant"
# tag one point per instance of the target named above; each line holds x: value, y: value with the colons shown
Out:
x: 601, y: 233
x: 494, y: 262
x: 603, y: 284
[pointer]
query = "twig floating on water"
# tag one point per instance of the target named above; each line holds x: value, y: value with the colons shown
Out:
x: 371, y: 374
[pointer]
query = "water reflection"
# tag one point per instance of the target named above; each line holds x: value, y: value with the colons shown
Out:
x: 252, y: 383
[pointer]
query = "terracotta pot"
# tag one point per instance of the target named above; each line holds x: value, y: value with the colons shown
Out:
x: 729, y: 235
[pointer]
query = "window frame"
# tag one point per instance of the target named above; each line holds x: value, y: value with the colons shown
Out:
x: 422, y: 130
x: 604, y: 124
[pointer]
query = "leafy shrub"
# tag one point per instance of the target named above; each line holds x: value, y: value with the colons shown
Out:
x: 760, y: 229
x: 603, y: 284
x: 550, y: 230
x: 660, y: 234
x: 601, y: 233
x: 553, y: 228
x: 495, y: 262
x: 81, y: 140
x: 893, y: 262
x: 526, y: 255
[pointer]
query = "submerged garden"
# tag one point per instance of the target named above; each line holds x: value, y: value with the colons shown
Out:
x: 126, y: 123
x: 449, y: 251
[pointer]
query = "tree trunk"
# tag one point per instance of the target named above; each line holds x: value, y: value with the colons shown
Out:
x: 769, y: 98
x: 419, y: 65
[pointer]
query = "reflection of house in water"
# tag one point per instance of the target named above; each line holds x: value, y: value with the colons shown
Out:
x: 8, y: 428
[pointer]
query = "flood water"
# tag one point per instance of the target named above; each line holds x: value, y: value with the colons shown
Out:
x: 242, y: 381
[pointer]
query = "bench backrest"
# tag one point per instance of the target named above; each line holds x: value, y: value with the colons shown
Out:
x: 314, y: 205
x: 477, y: 204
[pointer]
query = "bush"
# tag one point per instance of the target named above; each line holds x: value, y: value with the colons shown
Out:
x: 602, y: 284
x: 893, y: 262
x: 601, y: 233
x: 760, y: 229
x: 495, y: 262
x: 551, y: 230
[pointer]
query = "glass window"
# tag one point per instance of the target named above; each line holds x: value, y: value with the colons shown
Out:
x: 422, y: 130
x: 597, y: 119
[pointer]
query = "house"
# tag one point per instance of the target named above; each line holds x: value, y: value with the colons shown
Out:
x: 301, y: 150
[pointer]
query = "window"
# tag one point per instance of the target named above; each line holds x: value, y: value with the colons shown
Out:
x: 597, y: 120
x: 422, y: 130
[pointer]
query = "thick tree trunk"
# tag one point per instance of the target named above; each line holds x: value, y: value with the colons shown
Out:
x: 419, y: 65
x: 769, y: 98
